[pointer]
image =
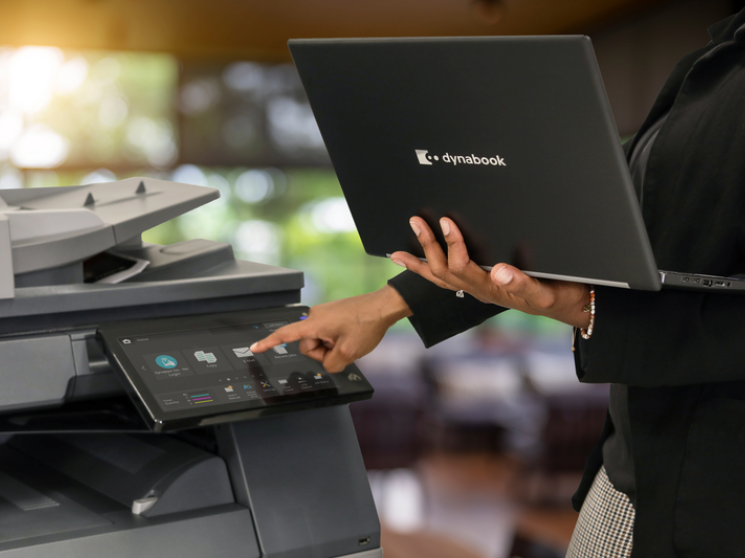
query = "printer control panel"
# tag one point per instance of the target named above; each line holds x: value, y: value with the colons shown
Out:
x: 199, y: 370
x: 215, y: 366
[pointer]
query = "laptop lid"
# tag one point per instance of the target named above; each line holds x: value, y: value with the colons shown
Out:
x: 511, y: 137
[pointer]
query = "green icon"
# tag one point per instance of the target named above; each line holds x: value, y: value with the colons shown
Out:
x: 209, y: 358
x: 165, y: 361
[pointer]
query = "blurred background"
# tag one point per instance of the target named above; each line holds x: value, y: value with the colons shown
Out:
x: 475, y: 446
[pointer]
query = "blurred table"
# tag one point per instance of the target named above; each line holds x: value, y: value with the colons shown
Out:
x: 422, y: 544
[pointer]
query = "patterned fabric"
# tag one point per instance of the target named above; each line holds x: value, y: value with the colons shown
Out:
x: 606, y: 523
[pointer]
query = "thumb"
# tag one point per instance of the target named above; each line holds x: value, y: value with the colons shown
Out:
x: 335, y: 360
x: 515, y: 282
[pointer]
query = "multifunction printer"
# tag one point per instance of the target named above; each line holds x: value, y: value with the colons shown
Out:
x: 134, y: 418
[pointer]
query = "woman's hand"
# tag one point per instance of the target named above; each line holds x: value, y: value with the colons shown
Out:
x: 338, y: 333
x: 505, y: 285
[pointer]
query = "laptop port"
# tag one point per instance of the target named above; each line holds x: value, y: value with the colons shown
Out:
x: 708, y: 282
x: 722, y: 284
x: 363, y: 541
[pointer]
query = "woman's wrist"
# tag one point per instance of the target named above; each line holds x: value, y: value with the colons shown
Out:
x: 392, y: 305
x: 576, y: 315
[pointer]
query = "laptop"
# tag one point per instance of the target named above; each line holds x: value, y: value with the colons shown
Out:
x: 511, y: 137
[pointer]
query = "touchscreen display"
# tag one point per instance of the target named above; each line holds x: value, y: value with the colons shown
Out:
x: 213, y: 367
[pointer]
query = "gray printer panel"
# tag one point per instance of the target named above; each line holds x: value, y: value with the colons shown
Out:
x: 45, y: 370
x: 35, y: 370
x: 48, y: 351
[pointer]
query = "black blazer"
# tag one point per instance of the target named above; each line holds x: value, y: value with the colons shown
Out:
x: 682, y: 354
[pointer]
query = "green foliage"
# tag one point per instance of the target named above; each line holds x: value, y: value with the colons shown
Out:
x: 335, y: 263
x: 120, y: 113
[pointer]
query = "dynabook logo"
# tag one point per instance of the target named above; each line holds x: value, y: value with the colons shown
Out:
x: 426, y: 159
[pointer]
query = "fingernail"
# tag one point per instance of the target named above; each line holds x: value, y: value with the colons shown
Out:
x: 414, y: 228
x: 253, y: 347
x: 445, y: 227
x: 398, y: 262
x: 504, y: 276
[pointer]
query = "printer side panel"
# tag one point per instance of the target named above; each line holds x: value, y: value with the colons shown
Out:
x: 303, y: 478
x: 35, y: 371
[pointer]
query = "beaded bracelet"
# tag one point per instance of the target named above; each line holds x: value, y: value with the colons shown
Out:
x: 590, y: 309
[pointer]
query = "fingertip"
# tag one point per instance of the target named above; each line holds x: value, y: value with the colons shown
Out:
x: 266, y: 343
x: 503, y: 275
x: 401, y: 258
x: 256, y: 347
x: 419, y: 226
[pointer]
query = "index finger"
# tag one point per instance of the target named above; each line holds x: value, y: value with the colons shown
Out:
x: 286, y: 334
x: 459, y: 262
x: 458, y: 257
x: 436, y: 258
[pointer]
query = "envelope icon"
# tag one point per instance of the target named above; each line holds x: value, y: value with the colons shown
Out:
x: 243, y: 352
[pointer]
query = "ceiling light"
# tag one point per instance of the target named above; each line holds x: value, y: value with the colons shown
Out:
x: 489, y: 11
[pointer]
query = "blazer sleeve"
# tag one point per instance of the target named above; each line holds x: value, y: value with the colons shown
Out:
x: 665, y: 338
x: 437, y: 313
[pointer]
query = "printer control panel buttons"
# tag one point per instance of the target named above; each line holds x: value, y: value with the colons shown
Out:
x: 211, y: 367
x: 167, y: 365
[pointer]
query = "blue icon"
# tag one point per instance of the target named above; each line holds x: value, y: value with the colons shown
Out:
x: 165, y: 361
x: 246, y: 386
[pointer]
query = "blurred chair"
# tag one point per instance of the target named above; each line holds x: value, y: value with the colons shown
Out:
x: 476, y: 403
x: 545, y: 525
x: 572, y: 429
x: 389, y: 431
x: 389, y: 426
x: 573, y: 424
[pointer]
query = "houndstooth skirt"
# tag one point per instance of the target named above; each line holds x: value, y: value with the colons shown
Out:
x: 606, y: 523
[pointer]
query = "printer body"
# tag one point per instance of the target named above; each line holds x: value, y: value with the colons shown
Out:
x: 86, y: 467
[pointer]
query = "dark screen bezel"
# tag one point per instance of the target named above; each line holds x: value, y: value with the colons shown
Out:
x: 346, y: 391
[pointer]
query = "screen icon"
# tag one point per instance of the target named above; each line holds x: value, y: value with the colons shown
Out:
x: 246, y: 386
x: 281, y: 349
x: 229, y: 389
x: 243, y: 352
x: 127, y: 341
x: 165, y: 361
x: 283, y: 382
x: 209, y: 358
